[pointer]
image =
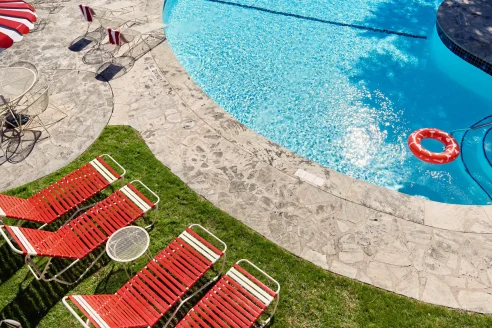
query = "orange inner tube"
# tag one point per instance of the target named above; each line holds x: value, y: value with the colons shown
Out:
x: 450, y: 154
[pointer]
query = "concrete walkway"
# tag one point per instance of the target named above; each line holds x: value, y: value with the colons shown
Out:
x: 437, y: 253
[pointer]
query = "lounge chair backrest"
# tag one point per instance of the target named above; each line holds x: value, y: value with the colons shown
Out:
x: 116, y: 37
x: 96, y: 225
x: 238, y: 299
x: 63, y: 195
x: 163, y: 281
x: 146, y: 297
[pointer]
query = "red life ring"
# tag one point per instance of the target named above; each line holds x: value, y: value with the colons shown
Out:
x: 450, y: 154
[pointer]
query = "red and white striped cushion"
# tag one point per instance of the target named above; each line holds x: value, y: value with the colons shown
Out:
x: 114, y: 36
x: 87, y: 12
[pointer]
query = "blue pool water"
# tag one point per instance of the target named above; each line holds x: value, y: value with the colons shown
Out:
x: 321, y: 79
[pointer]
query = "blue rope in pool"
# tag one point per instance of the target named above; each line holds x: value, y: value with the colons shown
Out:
x: 360, y: 27
x: 483, y: 148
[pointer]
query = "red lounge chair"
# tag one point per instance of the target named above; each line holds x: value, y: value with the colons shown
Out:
x: 237, y: 300
x: 81, y: 236
x: 153, y: 291
x: 64, y: 195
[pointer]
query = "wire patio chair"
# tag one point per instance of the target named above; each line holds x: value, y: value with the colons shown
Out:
x: 105, y: 51
x: 27, y: 65
x: 92, y: 34
x: 34, y: 105
x: 10, y: 121
x: 105, y: 17
x: 33, y: 108
x: 124, y: 47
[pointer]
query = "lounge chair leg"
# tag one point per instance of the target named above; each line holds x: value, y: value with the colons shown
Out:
x: 46, y: 268
x: 61, y: 281
x: 78, y: 210
x: 33, y: 268
x: 155, y: 217
x: 198, y: 291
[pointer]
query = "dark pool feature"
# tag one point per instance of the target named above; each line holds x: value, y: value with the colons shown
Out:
x: 464, y: 28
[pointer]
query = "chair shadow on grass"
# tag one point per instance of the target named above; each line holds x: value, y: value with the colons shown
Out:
x: 121, y: 65
x: 13, y: 262
x: 32, y: 304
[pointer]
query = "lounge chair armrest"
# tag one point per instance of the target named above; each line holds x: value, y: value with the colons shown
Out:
x: 211, y: 234
x: 114, y: 161
x: 276, y: 292
x: 153, y: 193
x: 262, y: 272
x: 9, y: 242
x: 79, y: 319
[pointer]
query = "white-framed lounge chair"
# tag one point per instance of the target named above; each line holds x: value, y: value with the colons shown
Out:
x: 238, y: 300
x: 35, y: 104
x: 81, y: 236
x: 158, y: 287
x: 64, y: 195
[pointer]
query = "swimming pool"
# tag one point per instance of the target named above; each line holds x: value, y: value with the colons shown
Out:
x: 343, y: 84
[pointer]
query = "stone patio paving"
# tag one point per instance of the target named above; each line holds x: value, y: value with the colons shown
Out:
x: 437, y: 253
x: 73, y: 89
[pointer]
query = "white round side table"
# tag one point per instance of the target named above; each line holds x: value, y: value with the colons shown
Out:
x: 128, y: 244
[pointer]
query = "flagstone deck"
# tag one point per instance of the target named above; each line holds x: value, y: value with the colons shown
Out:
x: 437, y: 253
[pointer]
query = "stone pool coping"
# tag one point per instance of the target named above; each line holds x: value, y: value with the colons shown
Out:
x: 463, y: 218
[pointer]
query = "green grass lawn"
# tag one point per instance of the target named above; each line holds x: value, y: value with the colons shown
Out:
x: 310, y: 296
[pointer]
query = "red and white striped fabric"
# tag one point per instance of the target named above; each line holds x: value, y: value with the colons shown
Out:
x: 115, y: 37
x: 17, y: 18
x: 87, y: 12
